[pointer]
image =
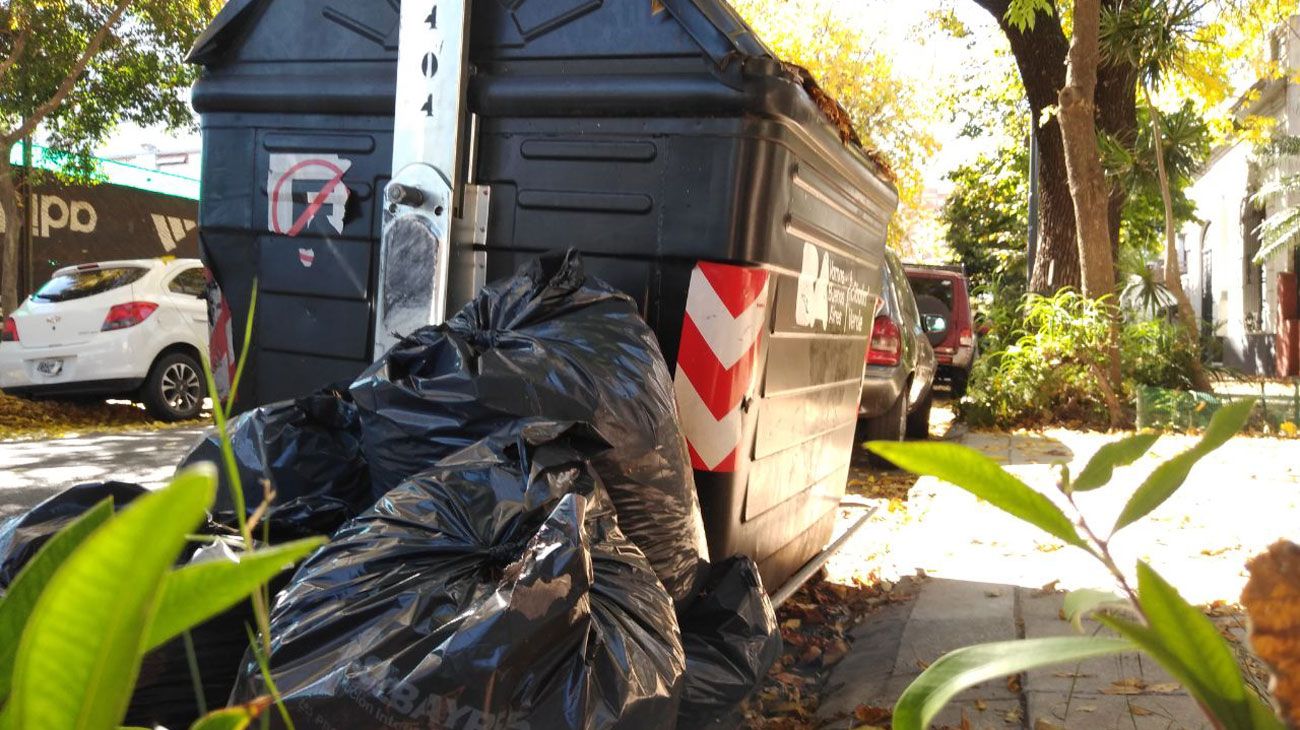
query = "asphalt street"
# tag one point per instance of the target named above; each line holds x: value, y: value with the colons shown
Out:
x: 33, y: 470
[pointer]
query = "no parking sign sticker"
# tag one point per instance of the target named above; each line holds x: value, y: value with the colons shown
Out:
x: 299, y: 187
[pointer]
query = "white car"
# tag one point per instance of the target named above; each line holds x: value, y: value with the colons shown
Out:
x: 117, y: 328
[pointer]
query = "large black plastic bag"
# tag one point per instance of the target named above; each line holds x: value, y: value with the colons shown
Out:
x: 164, y: 693
x: 22, y: 536
x: 164, y: 690
x: 309, y: 449
x: 495, y: 591
x: 554, y: 343
x: 731, y: 640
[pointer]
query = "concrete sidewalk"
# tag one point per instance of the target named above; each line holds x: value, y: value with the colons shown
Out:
x: 32, y: 470
x: 986, y: 573
x: 893, y: 647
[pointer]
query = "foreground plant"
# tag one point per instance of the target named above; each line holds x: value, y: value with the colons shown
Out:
x: 77, y: 621
x: 1147, y: 615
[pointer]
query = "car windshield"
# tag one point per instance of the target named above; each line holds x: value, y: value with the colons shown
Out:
x: 87, y: 283
x: 941, y: 289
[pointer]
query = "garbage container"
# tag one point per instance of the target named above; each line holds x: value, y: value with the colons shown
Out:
x: 692, y: 169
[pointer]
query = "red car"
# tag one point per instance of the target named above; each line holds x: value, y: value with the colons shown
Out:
x: 943, y: 293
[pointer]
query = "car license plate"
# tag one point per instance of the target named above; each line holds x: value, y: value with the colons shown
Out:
x: 49, y: 367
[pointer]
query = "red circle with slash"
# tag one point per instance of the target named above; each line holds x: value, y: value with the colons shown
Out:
x: 314, y: 207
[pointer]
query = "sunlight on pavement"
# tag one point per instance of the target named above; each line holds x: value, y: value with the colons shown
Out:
x: 1235, y: 503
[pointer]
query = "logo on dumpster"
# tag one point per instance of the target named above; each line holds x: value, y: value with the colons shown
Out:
x: 300, y: 187
x: 306, y: 257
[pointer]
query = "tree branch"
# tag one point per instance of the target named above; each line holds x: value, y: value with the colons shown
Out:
x: 70, y: 80
x: 20, y: 43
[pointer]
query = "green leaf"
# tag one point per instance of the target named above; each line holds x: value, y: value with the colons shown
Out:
x: 17, y: 604
x: 80, y: 653
x: 1169, y: 476
x: 233, y: 718
x: 1021, y: 13
x: 195, y: 593
x: 982, y: 477
x: 1079, y: 603
x: 964, y: 668
x: 1190, y: 648
x: 1101, y: 467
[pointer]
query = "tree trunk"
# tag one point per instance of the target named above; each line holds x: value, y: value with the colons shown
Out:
x: 1116, y: 101
x: 12, y: 235
x: 1057, y: 262
x: 1040, y: 55
x: 1088, y: 187
x: 1173, y: 272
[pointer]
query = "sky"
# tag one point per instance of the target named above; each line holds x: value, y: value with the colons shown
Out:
x: 936, y: 61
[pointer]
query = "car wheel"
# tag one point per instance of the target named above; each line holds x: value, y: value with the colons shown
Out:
x: 888, y: 426
x: 960, y: 379
x: 175, y: 390
x: 918, y: 421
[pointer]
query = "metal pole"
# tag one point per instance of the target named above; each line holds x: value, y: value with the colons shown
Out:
x: 1031, y: 246
x: 810, y: 568
x: 26, y: 254
x: 415, y: 254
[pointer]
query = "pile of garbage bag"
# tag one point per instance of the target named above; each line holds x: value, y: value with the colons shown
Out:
x: 550, y: 342
x: 21, y: 537
x: 494, y: 590
x: 308, y: 451
x: 514, y: 536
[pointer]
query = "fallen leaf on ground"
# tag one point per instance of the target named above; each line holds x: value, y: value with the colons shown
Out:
x: 872, y: 715
x: 1139, y: 711
x: 1041, y: 724
x: 1126, y: 686
x: 1048, y: 589
x: 981, y: 705
x: 1013, y: 684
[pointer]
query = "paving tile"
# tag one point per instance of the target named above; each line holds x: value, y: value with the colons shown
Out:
x: 1108, y: 712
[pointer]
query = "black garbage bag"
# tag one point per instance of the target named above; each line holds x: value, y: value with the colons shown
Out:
x: 495, y: 591
x: 731, y: 640
x: 550, y: 342
x: 22, y: 536
x: 164, y: 691
x: 309, y: 449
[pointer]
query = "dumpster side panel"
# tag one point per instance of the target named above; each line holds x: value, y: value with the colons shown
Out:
x: 756, y: 260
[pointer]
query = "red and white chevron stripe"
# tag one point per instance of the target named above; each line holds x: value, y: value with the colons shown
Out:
x: 717, y: 362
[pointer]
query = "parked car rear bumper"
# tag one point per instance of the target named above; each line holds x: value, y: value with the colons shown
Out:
x: 880, y: 389
x: 80, y: 387
x: 110, y: 357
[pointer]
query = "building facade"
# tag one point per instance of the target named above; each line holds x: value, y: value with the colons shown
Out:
x: 1230, y: 292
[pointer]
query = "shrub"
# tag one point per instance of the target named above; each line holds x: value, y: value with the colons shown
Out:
x: 1040, y: 364
x: 1043, y: 357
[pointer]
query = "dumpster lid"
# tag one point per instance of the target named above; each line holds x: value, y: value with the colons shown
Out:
x: 717, y: 28
x: 212, y: 42
x: 713, y: 24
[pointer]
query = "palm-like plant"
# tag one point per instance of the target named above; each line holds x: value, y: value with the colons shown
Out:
x: 1281, y: 230
x: 1154, y: 37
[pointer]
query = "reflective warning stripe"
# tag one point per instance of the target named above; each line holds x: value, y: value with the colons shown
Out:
x: 717, y: 360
